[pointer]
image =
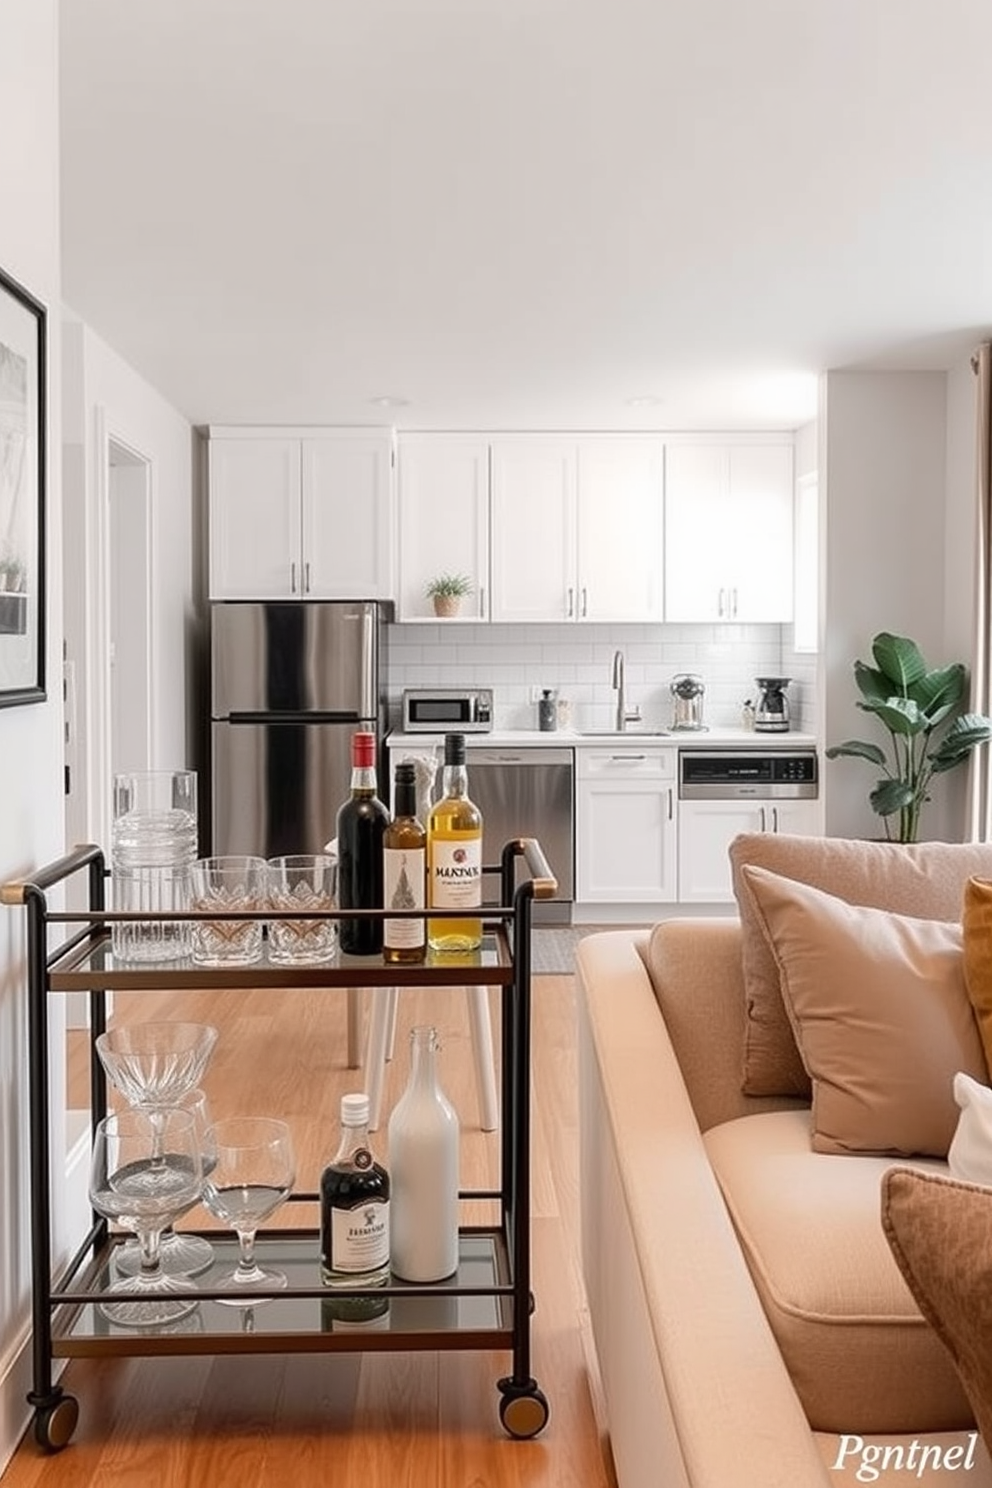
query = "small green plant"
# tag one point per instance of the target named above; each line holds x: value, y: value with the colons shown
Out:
x: 13, y: 574
x: 914, y: 704
x: 449, y: 586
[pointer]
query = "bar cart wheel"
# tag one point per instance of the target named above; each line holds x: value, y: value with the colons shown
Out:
x: 54, y: 1423
x: 523, y: 1409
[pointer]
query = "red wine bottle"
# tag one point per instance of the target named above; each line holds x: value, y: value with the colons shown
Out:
x: 361, y: 826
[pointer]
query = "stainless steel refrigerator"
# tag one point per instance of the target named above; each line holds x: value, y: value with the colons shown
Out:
x: 290, y: 683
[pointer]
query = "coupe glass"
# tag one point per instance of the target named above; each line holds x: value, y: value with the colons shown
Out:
x: 180, y: 1255
x: 143, y: 1175
x: 254, y: 1173
x: 156, y: 1064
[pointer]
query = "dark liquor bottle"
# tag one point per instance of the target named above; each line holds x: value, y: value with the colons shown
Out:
x: 405, y: 873
x: 361, y: 826
x: 354, y: 1206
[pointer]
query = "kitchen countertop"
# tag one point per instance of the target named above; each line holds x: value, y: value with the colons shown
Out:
x: 716, y: 738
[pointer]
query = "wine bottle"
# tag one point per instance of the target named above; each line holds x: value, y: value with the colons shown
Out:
x: 423, y: 1163
x: 404, y: 849
x: 454, y: 856
x: 354, y: 1206
x: 361, y: 826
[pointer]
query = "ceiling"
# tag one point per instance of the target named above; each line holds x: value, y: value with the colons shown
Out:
x: 525, y: 213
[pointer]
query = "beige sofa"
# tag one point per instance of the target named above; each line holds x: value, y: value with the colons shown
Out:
x: 706, y: 1385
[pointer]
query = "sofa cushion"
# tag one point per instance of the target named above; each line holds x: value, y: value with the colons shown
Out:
x: 976, y: 922
x: 860, y: 1354
x: 881, y: 1015
x: 925, y: 880
x: 940, y: 1232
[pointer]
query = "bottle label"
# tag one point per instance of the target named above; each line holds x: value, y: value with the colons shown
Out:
x: 405, y: 883
x: 456, y: 873
x: 360, y: 1237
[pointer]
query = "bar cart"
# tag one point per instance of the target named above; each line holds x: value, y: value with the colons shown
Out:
x: 488, y: 1302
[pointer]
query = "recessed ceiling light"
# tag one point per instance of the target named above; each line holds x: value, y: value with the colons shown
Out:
x: 645, y: 400
x: 388, y: 400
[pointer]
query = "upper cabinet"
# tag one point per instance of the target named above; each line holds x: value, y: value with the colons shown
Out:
x: 300, y: 514
x: 728, y: 531
x: 443, y: 519
x: 577, y: 525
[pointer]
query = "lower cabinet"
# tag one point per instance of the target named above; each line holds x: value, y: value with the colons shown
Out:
x: 625, y: 825
x: 707, y: 828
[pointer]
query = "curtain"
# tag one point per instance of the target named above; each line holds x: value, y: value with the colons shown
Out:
x: 980, y: 797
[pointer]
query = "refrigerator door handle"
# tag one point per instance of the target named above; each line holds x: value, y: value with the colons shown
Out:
x: 370, y: 702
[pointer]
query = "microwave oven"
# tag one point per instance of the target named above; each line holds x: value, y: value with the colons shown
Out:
x: 441, y: 710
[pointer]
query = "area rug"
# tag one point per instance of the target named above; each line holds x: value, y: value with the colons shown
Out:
x: 552, y: 947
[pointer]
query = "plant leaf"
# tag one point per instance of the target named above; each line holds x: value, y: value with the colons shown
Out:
x: 941, y: 690
x: 857, y: 749
x: 874, y: 686
x: 964, y: 735
x: 890, y: 796
x: 899, y: 659
x: 900, y: 714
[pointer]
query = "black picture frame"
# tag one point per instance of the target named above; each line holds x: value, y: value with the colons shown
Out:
x: 23, y: 429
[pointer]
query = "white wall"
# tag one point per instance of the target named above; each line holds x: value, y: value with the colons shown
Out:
x: 106, y: 400
x: 30, y: 737
x: 883, y: 452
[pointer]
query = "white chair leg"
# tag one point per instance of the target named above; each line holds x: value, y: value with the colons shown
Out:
x: 482, y: 1055
x: 391, y: 1028
x: 383, y: 1002
x: 354, y: 1027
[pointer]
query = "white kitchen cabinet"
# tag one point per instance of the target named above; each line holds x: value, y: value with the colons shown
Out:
x: 625, y: 825
x: 443, y: 497
x: 728, y: 532
x: 707, y: 828
x: 577, y: 528
x: 304, y: 515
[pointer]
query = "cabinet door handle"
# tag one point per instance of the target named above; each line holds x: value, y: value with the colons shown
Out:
x: 720, y: 603
x: 585, y: 604
x: 671, y: 803
x: 482, y: 602
x: 733, y: 603
x: 763, y: 826
x: 292, y: 578
x: 774, y: 818
x: 306, y: 577
x: 571, y: 603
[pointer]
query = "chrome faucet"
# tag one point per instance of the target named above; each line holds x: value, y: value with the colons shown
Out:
x: 623, y: 715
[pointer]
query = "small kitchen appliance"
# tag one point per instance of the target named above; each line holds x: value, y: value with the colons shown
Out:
x: 687, y: 702
x: 440, y: 710
x: 771, y: 713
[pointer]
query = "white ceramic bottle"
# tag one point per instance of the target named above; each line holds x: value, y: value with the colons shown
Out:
x: 423, y: 1164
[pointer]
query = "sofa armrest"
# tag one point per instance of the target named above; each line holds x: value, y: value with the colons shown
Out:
x: 697, y: 1393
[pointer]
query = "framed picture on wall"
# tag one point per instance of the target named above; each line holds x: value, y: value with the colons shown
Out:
x: 22, y: 495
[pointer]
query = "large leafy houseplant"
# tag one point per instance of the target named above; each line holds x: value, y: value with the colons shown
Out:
x: 928, y: 734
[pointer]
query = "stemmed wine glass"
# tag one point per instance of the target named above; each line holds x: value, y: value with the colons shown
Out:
x: 254, y: 1173
x: 179, y: 1254
x: 157, y: 1065
x: 144, y: 1173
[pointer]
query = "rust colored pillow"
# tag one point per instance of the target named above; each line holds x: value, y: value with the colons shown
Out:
x: 925, y: 880
x: 940, y: 1232
x: 976, y: 922
x: 880, y: 1013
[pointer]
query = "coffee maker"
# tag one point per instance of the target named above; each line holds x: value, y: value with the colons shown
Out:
x: 771, y: 712
x: 687, y: 702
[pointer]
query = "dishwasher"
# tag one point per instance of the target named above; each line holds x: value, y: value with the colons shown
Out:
x: 528, y: 792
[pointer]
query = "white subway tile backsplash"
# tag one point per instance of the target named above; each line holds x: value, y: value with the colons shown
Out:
x: 577, y: 659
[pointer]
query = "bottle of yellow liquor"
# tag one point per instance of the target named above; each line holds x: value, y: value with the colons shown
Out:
x: 454, y: 856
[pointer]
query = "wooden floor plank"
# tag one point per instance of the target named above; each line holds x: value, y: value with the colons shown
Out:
x: 412, y: 1420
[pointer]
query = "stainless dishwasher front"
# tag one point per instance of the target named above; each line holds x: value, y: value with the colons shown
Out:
x: 528, y: 792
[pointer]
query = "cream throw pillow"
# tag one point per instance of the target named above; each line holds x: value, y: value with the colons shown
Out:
x: 925, y: 879
x: 881, y: 1016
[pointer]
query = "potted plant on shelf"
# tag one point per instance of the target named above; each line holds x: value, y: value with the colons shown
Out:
x: 928, y: 734
x: 447, y: 591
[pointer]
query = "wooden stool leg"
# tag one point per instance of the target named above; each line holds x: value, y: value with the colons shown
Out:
x: 482, y: 1054
x: 383, y: 1012
x: 354, y: 1027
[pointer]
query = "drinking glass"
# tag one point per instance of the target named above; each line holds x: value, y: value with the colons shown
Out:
x: 180, y: 1254
x: 156, y: 1064
x: 143, y: 1175
x: 223, y: 884
x: 254, y: 1174
x: 304, y: 881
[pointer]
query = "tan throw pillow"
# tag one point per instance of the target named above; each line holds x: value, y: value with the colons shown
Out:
x: 880, y: 1013
x: 940, y: 1232
x: 976, y: 922
x: 925, y: 880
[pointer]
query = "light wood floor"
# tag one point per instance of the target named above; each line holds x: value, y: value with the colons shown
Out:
x: 415, y: 1420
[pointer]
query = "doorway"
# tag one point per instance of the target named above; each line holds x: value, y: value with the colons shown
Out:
x: 129, y: 501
